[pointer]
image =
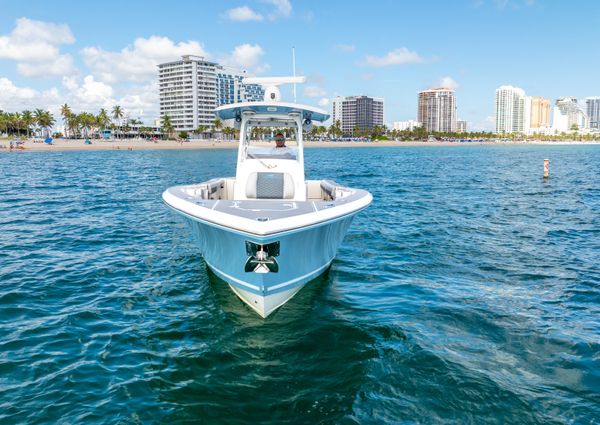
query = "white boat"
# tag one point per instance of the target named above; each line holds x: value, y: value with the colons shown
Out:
x: 267, y: 231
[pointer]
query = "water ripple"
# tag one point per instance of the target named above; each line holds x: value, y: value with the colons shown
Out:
x: 469, y: 292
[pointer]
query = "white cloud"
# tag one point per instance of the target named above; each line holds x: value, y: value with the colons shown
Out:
x: 85, y: 94
x: 280, y: 9
x: 35, y: 45
x: 242, y: 14
x: 89, y: 95
x: 401, y: 56
x: 314, y: 91
x: 141, y: 102
x: 448, y: 82
x: 248, y: 57
x: 346, y: 48
x: 9, y: 90
x: 283, y: 8
x: 323, y: 102
x: 28, y: 29
x: 13, y: 98
x: 62, y: 65
x: 137, y: 62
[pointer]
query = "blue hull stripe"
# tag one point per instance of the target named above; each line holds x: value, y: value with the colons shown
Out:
x: 269, y: 235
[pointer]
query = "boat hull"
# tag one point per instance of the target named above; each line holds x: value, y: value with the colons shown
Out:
x: 303, y: 254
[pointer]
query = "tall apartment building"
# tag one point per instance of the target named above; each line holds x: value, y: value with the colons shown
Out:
x: 230, y: 88
x: 568, y: 115
x: 361, y: 112
x: 510, y: 109
x: 337, y: 109
x: 593, y: 112
x: 461, y: 126
x: 437, y: 109
x: 539, y: 112
x: 191, y: 88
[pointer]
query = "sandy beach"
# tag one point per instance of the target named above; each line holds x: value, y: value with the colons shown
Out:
x: 137, y: 144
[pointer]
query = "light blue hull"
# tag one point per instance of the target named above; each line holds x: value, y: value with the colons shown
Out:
x: 303, y: 254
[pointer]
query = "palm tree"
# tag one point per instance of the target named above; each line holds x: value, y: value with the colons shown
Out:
x: 117, y: 113
x: 73, y: 124
x: 167, y: 126
x: 4, y: 121
x: 66, y: 112
x: 201, y: 129
x: 103, y: 120
x: 217, y: 124
x: 28, y: 120
x: 87, y: 123
x: 336, y: 129
x: 38, y: 116
x: 230, y: 132
x: 16, y: 122
x: 44, y: 119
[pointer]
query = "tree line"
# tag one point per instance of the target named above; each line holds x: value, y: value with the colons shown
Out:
x: 24, y: 123
x: 85, y: 124
x: 77, y: 125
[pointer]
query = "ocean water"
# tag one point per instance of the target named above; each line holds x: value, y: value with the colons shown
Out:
x: 469, y: 292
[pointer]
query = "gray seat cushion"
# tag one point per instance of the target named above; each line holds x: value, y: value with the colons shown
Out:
x: 270, y: 186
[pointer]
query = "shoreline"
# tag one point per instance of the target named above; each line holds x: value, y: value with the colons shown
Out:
x: 140, y: 144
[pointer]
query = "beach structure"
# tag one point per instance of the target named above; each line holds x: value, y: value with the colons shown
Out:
x: 268, y: 231
x: 409, y: 125
x: 191, y: 88
x: 437, y: 109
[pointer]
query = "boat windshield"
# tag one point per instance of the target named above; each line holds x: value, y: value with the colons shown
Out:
x: 272, y: 152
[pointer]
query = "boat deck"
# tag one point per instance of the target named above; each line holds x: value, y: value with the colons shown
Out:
x: 263, y: 216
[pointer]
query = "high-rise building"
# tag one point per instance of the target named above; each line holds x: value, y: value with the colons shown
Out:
x: 593, y: 112
x: 437, y: 109
x: 230, y: 88
x: 461, y: 126
x: 362, y: 112
x: 568, y: 115
x: 510, y: 109
x: 337, y: 109
x: 539, y: 112
x: 191, y: 88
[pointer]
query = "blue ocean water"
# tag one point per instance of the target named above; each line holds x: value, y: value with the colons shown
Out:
x: 469, y: 292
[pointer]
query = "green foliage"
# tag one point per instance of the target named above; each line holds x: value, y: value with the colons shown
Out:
x: 84, y: 124
x: 183, y: 135
x: 167, y: 126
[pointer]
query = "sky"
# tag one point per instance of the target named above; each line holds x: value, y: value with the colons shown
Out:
x: 92, y: 55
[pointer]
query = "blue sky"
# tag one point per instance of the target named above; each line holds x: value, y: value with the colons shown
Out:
x: 96, y: 54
